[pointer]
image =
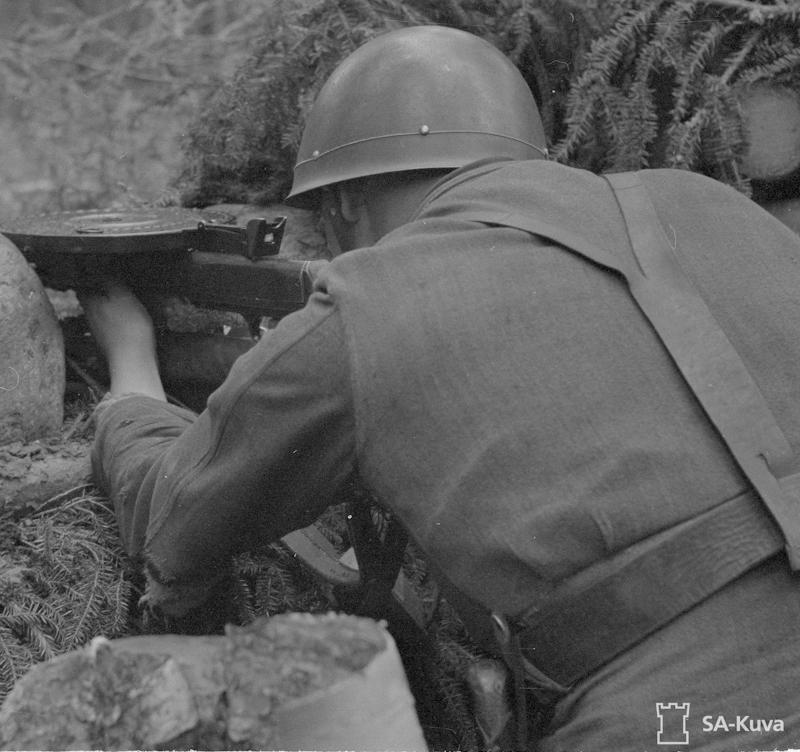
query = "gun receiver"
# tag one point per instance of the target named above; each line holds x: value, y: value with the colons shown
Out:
x: 201, y: 256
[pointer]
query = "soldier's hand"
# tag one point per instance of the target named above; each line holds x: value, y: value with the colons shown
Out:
x: 125, y: 335
x: 118, y: 320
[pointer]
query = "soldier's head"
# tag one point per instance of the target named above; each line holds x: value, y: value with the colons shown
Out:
x: 400, y: 111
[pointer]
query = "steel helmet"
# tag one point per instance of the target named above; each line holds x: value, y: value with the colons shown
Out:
x: 422, y: 97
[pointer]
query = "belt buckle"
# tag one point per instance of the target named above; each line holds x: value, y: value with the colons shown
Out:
x: 543, y: 687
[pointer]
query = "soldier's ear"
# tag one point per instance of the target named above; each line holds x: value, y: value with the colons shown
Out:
x: 351, y: 203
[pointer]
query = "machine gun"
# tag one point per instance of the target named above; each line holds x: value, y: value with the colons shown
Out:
x: 202, y: 256
x: 213, y: 262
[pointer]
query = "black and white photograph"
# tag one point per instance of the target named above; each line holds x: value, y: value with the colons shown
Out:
x: 400, y: 375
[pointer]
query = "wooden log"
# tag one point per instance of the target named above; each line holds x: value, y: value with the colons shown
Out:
x: 198, y: 357
x: 771, y: 116
x: 295, y: 681
x: 182, y: 356
x: 191, y: 364
x: 33, y: 473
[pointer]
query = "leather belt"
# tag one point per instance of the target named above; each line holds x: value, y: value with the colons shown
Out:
x: 606, y: 609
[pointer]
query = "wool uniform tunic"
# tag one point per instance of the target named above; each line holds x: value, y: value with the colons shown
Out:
x: 507, y: 400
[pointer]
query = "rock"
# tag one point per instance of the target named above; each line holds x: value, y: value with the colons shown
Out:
x: 295, y: 681
x: 31, y: 353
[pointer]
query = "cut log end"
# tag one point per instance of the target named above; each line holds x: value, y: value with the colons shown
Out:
x: 771, y: 117
x: 295, y: 681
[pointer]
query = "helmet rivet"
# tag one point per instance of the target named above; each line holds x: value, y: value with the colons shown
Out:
x: 424, y: 130
x: 315, y: 154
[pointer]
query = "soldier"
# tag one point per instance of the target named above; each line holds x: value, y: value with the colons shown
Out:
x: 526, y: 364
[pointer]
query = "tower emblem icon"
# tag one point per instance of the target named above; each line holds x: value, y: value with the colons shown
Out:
x: 672, y: 718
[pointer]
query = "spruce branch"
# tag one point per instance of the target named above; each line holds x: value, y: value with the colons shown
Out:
x: 758, y: 12
x: 734, y: 62
x: 788, y: 62
x: 74, y: 585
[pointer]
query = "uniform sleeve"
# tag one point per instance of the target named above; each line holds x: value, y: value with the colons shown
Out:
x: 267, y: 456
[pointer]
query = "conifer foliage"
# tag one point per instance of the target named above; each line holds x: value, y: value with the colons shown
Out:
x: 659, y: 87
x: 243, y: 145
x: 62, y: 582
x: 629, y: 84
x: 620, y: 85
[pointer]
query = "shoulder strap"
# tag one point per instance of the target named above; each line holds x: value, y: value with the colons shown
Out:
x: 700, y: 349
x: 604, y: 610
x: 707, y: 359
